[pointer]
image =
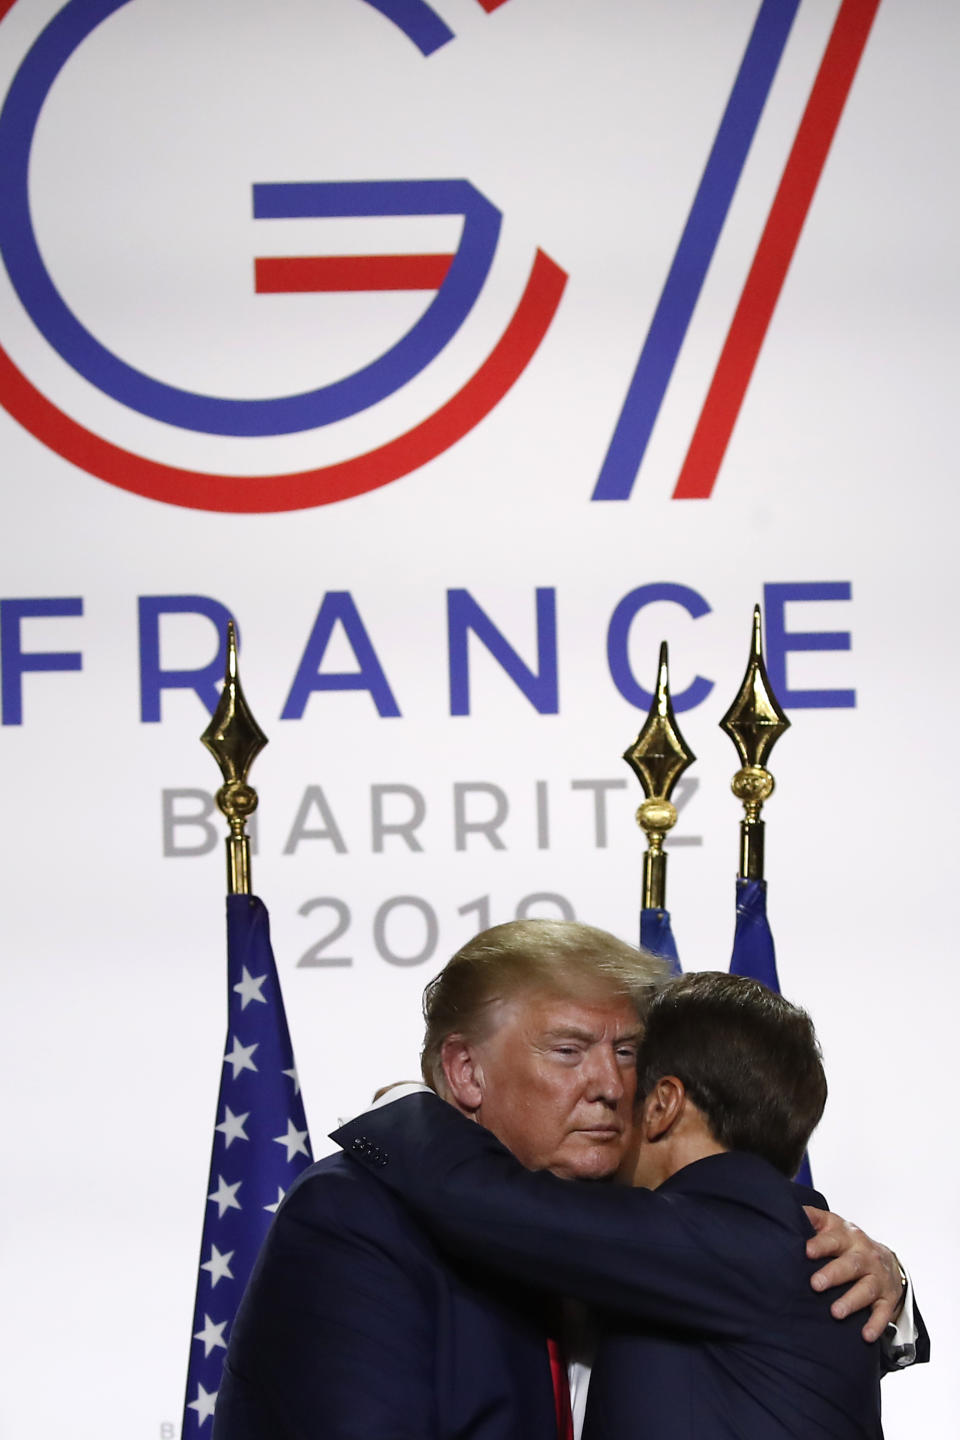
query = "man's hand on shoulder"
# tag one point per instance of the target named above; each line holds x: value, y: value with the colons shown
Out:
x: 871, y: 1271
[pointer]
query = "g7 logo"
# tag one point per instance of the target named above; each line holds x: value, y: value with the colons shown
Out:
x: 456, y: 278
x: 456, y: 281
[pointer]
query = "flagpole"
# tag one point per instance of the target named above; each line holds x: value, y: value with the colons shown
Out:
x: 234, y: 739
x: 261, y: 1140
x: 754, y: 723
x: 658, y: 757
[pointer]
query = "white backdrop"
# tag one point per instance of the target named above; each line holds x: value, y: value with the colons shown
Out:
x: 588, y: 126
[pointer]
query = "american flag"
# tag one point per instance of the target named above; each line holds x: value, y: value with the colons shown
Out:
x: 260, y: 1145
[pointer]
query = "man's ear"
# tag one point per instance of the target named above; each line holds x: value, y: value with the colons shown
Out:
x: 662, y: 1107
x: 463, y: 1072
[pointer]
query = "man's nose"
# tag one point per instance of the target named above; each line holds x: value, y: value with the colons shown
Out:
x: 605, y: 1080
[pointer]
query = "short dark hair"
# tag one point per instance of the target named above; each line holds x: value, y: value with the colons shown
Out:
x: 749, y: 1060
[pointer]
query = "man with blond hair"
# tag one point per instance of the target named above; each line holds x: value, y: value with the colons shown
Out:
x: 354, y: 1326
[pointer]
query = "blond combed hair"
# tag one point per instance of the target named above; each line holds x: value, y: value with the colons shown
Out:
x: 558, y: 956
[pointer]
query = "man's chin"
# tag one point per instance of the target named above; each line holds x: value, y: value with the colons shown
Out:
x: 588, y: 1158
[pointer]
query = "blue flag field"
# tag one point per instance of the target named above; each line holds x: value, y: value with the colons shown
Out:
x: 754, y: 955
x: 260, y: 1145
x: 656, y: 935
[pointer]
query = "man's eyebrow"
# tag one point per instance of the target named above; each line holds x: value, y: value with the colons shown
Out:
x: 576, y: 1032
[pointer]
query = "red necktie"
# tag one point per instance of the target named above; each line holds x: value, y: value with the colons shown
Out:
x: 561, y: 1391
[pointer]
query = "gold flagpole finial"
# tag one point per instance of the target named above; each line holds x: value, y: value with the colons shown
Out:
x: 754, y: 723
x: 234, y: 739
x: 658, y: 757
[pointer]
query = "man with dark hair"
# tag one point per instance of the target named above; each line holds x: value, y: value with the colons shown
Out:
x: 712, y: 1327
x: 747, y: 1059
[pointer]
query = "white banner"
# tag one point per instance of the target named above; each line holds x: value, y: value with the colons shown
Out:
x: 462, y: 351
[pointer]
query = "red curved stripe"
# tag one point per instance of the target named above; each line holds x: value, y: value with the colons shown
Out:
x: 198, y: 490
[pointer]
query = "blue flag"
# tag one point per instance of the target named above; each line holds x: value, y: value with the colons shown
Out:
x: 657, y: 937
x: 260, y: 1144
x: 753, y: 953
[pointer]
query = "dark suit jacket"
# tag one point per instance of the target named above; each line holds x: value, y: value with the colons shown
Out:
x: 716, y: 1331
x: 354, y: 1328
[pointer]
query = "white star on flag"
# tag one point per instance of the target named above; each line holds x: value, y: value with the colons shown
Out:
x: 249, y: 989
x: 239, y: 1056
x: 204, y: 1403
x: 231, y: 1126
x: 211, y: 1335
x: 252, y: 1108
x: 218, y: 1265
x: 294, y: 1141
x: 226, y: 1196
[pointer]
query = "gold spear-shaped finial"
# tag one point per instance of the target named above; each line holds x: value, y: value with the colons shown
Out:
x: 658, y: 757
x: 234, y: 739
x: 754, y: 723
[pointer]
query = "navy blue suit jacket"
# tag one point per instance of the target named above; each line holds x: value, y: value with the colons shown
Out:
x: 353, y: 1327
x: 715, y: 1330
